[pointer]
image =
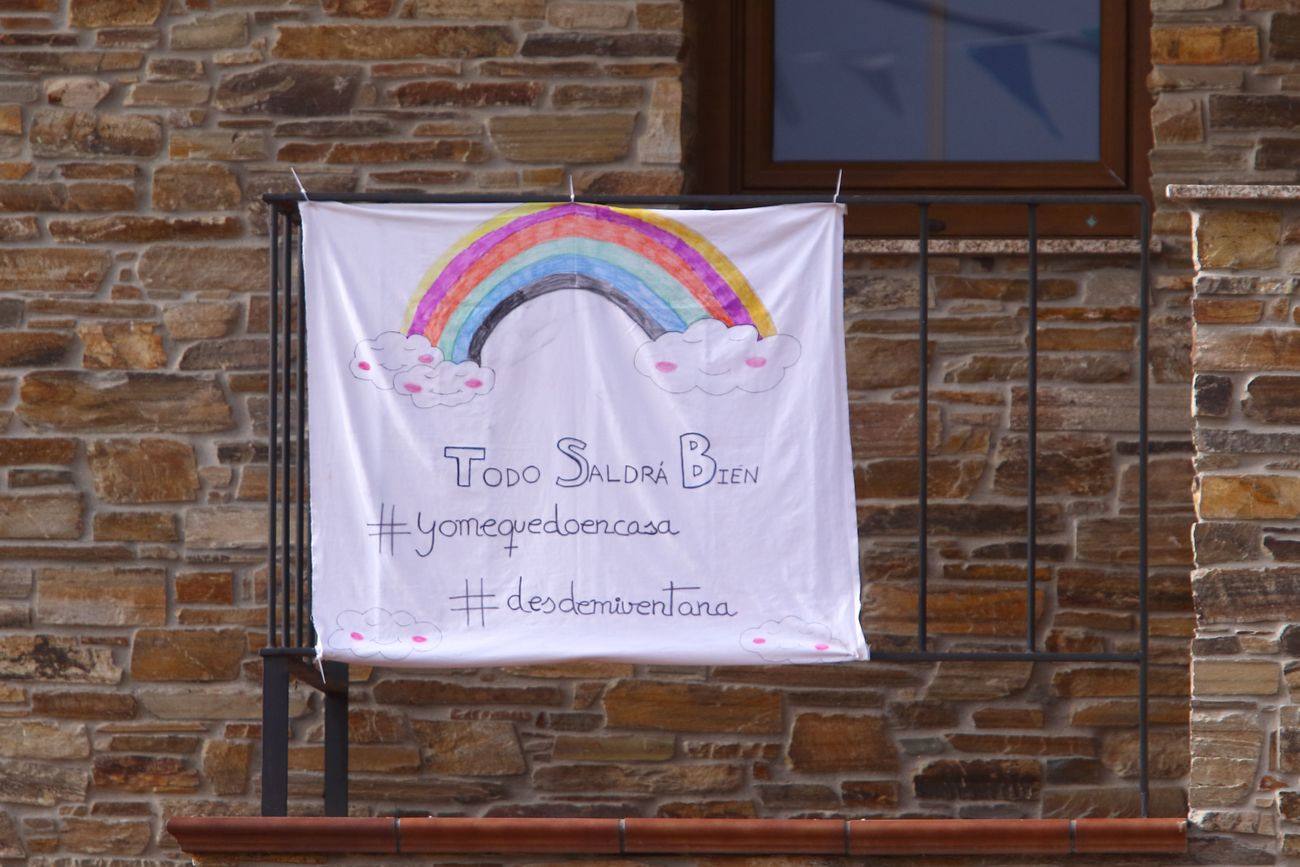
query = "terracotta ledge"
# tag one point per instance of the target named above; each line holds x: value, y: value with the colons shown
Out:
x: 203, y: 836
x: 1233, y: 192
x: 999, y: 246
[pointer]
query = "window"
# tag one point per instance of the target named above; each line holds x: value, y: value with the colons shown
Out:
x: 926, y: 95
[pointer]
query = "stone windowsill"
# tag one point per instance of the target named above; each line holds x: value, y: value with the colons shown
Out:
x: 1234, y: 192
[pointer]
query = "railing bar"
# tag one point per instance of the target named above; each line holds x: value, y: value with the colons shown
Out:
x: 1144, y: 637
x: 285, y: 452
x: 896, y: 655
x: 923, y: 428
x: 272, y: 456
x: 302, y: 439
x: 311, y: 625
x: 741, y: 199
x: 1031, y: 439
x: 999, y: 656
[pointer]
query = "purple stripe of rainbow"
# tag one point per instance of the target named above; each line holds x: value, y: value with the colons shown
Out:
x: 457, y: 266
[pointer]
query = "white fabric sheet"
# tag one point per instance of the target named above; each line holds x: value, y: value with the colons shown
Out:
x: 570, y: 432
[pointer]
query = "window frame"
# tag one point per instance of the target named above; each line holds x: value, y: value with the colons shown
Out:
x: 732, y: 58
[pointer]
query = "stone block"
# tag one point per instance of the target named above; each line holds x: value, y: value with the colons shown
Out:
x: 472, y: 94
x: 378, y: 42
x: 569, y: 15
x: 208, y: 32
x: 105, y: 837
x: 39, y: 739
x: 1230, y: 239
x: 1205, y: 44
x: 84, y: 704
x: 1246, y: 595
x: 101, y: 595
x: 121, y: 402
x: 1231, y: 677
x: 194, y: 187
x: 1176, y: 119
x: 208, y: 269
x: 553, y: 44
x: 242, y: 527
x: 1211, y: 396
x: 980, y: 780
x: 886, y: 430
x: 235, y: 353
x: 402, y: 691
x: 310, y: 90
x: 143, y: 470
x: 479, y: 748
x: 200, y: 655
x: 41, y: 784
x: 144, y: 774
x: 1068, y: 463
x: 114, y: 13
x: 614, y: 748
x: 201, y: 319
x: 564, y: 138
x: 692, y: 779
x: 41, y: 516
x: 1273, y: 399
x: 1115, y: 540
x: 63, y: 133
x: 974, y: 610
x: 135, y: 527
x: 1248, y: 497
x: 53, y: 270
x: 692, y: 707
x: 824, y: 743
x: 226, y: 764
x: 877, y: 362
x: 121, y: 346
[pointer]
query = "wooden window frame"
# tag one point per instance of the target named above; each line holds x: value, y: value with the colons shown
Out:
x: 730, y: 80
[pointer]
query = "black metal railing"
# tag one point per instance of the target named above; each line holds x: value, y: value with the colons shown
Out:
x: 290, y: 636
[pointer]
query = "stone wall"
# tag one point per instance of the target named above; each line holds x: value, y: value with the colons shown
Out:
x: 135, y: 141
x: 1228, y: 82
x: 1245, y: 726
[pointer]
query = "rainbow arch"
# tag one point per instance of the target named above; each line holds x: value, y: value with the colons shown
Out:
x: 660, y: 272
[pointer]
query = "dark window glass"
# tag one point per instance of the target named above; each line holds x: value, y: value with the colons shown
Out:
x: 936, y: 80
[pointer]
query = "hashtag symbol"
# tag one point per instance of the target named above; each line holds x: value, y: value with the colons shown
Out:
x: 475, y: 603
x: 389, y: 529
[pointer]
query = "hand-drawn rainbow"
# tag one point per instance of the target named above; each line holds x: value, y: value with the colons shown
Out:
x: 663, y: 274
x: 706, y: 327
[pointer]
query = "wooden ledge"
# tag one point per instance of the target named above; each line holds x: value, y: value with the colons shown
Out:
x: 858, y: 837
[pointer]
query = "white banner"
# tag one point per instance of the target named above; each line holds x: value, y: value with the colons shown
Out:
x: 572, y: 432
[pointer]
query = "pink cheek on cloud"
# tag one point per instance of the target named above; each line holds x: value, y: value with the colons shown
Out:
x: 474, y: 383
x: 364, y: 365
x: 760, y: 641
x: 419, y: 639
x: 822, y: 646
x: 357, y: 636
x: 665, y: 366
x: 756, y: 362
x: 412, y: 387
x: 425, y: 359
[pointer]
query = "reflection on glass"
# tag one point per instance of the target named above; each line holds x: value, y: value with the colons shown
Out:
x: 980, y: 80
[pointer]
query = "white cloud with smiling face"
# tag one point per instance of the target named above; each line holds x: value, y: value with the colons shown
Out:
x: 391, y: 635
x: 716, y: 359
x: 791, y: 639
x: 445, y: 384
x: 381, y: 359
x: 411, y: 368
